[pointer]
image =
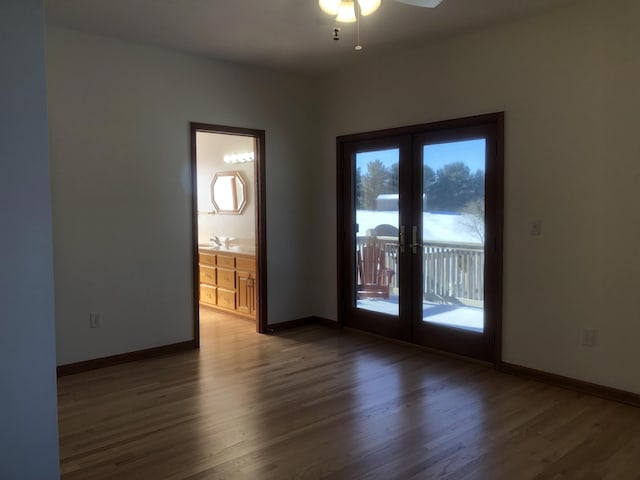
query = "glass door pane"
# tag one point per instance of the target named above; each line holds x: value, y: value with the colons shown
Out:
x: 453, y: 234
x: 377, y: 218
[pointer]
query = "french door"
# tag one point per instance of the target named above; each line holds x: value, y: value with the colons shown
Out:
x: 420, y: 234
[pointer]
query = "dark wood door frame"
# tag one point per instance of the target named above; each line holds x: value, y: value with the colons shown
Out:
x: 261, y: 218
x: 494, y: 202
x: 380, y: 324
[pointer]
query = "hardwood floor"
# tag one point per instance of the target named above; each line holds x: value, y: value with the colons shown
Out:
x: 319, y: 403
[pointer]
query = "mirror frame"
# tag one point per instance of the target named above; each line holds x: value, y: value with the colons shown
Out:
x: 241, y: 202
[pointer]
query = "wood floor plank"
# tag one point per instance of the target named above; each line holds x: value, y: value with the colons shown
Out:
x: 319, y: 403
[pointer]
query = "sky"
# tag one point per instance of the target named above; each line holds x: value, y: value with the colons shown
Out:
x: 471, y: 152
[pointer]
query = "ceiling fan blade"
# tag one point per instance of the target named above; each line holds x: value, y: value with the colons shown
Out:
x: 422, y: 3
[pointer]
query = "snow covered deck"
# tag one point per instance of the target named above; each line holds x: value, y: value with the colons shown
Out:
x: 455, y: 316
x: 453, y: 266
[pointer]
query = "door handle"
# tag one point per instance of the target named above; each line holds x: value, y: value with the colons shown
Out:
x: 414, y: 239
x: 402, y: 235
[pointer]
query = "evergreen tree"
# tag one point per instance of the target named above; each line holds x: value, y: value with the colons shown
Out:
x: 393, y: 185
x: 359, y: 194
x: 454, y: 188
x: 375, y: 182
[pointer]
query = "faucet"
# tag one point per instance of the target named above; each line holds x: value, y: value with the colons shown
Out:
x: 215, y: 240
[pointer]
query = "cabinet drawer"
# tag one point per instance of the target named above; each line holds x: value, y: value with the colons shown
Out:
x: 248, y: 264
x: 226, y: 278
x: 207, y: 258
x: 208, y: 295
x: 227, y: 299
x: 208, y: 275
x: 224, y: 261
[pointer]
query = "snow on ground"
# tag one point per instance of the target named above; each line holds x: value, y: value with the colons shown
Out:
x: 453, y: 227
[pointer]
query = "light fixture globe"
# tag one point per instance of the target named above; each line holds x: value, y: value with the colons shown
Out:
x: 347, y: 12
x: 330, y: 6
x: 367, y: 7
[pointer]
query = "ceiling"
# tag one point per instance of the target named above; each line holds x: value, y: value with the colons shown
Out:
x: 285, y: 34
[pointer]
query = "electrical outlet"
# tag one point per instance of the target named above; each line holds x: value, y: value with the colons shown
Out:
x: 536, y: 227
x: 94, y: 320
x: 588, y: 337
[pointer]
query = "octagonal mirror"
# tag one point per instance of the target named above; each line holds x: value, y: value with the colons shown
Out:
x: 228, y: 193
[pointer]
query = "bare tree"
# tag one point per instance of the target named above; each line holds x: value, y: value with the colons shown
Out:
x: 474, y: 220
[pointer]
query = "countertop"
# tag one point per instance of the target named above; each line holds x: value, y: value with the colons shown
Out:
x: 236, y: 249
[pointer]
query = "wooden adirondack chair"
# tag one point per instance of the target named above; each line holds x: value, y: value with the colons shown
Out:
x: 374, y: 279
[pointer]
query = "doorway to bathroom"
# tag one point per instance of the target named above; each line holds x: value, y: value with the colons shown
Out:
x: 229, y: 249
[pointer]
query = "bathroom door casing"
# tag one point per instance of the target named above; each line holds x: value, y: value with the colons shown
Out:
x: 259, y: 195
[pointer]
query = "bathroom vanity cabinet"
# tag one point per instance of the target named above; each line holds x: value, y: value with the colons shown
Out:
x: 228, y: 280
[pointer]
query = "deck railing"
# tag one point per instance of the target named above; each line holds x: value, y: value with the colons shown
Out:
x: 452, y: 270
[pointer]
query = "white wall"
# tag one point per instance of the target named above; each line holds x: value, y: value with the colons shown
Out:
x: 568, y: 82
x: 28, y: 406
x: 119, y: 123
x: 210, y: 151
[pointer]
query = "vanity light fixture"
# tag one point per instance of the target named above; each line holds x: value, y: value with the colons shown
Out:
x: 240, y: 158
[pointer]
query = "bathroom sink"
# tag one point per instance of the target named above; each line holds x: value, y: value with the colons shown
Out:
x: 208, y: 246
x: 229, y: 248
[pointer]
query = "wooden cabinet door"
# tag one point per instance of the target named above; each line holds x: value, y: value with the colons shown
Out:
x: 253, y: 292
x: 208, y: 294
x: 226, y: 278
x: 207, y: 275
x: 245, y: 282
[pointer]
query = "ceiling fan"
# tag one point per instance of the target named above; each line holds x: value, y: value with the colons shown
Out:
x: 345, y: 10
